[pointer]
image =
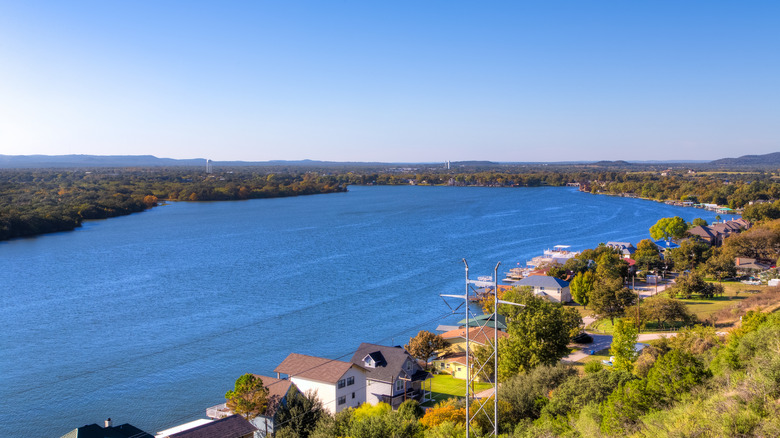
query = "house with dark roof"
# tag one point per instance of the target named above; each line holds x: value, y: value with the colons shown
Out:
x: 715, y: 234
x: 109, y: 431
x: 278, y: 391
x: 338, y: 384
x: 392, y: 375
x: 552, y: 288
x: 234, y: 426
x: 626, y: 249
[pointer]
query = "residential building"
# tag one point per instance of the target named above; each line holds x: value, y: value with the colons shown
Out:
x: 552, y: 288
x: 109, y: 431
x: 715, y: 234
x: 392, y: 375
x: 338, y: 384
x: 748, y: 266
x: 234, y: 426
x: 452, y: 360
x: 278, y: 390
x: 626, y: 249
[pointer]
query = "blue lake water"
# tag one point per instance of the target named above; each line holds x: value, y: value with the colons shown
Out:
x: 150, y: 318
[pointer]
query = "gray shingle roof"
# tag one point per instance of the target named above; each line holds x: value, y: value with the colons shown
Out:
x: 96, y: 431
x: 395, y: 357
x: 543, y: 281
x: 234, y: 426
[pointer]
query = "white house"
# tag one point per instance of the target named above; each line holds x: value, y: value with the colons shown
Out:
x: 552, y: 288
x: 392, y: 375
x: 338, y: 384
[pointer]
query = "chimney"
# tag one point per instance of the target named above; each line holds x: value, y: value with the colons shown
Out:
x: 738, y: 261
x: 108, y: 422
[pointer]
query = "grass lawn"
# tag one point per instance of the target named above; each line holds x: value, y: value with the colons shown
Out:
x: 702, y: 308
x: 444, y: 386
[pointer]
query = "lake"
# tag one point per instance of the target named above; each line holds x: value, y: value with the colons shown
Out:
x: 150, y: 318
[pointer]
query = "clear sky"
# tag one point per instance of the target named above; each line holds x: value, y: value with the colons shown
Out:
x: 408, y: 81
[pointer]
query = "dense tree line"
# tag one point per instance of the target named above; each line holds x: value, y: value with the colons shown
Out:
x: 43, y: 201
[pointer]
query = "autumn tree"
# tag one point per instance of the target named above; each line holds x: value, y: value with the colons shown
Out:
x: 446, y: 411
x: 669, y: 228
x: 647, y: 256
x: 424, y: 345
x: 249, y: 397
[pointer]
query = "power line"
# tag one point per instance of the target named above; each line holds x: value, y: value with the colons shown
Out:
x: 392, y: 336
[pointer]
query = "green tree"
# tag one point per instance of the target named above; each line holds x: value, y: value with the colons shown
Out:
x: 690, y: 254
x: 249, y: 397
x: 687, y: 285
x: 609, y: 299
x: 698, y: 222
x: 300, y: 414
x: 624, y: 335
x: 663, y: 309
x: 581, y: 286
x: 720, y: 265
x: 669, y: 228
x: 424, y: 345
x: 574, y: 393
x: 674, y: 374
x: 621, y: 412
x: 538, y: 333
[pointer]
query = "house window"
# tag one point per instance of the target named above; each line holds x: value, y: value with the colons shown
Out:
x: 408, y: 365
x: 342, y: 399
x: 342, y: 383
x: 458, y: 368
x: 353, y: 395
x: 350, y: 381
x: 399, y: 385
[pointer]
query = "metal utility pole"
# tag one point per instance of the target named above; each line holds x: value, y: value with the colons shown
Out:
x: 481, y: 367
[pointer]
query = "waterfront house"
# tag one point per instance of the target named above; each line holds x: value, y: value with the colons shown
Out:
x: 392, y: 375
x: 626, y: 249
x: 278, y: 390
x: 234, y: 426
x: 452, y: 359
x: 552, y: 288
x: 338, y: 384
x: 109, y: 431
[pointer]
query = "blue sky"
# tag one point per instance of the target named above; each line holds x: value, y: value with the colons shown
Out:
x: 391, y: 81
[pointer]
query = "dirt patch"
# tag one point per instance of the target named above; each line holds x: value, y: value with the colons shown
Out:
x: 767, y: 300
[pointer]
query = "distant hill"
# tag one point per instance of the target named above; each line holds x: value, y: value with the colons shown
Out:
x: 772, y: 159
x: 41, y: 161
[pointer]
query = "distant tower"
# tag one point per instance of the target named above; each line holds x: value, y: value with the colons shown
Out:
x: 208, y: 165
x: 448, y: 164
